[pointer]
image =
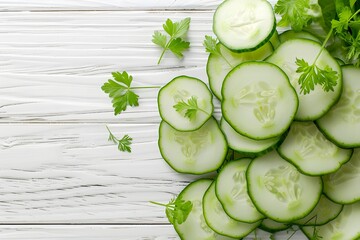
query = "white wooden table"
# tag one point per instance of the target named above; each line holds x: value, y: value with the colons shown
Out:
x: 59, y: 176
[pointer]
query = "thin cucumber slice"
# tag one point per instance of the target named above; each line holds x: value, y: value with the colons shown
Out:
x: 342, y: 123
x: 218, y: 66
x: 195, y: 226
x: 197, y: 152
x: 273, y: 226
x: 244, y: 144
x: 244, y: 25
x: 345, y: 227
x: 181, y: 89
x: 275, y: 40
x: 342, y: 186
x: 291, y: 34
x: 217, y: 219
x: 325, y: 211
x: 279, y: 190
x: 308, y: 149
x: 231, y: 190
x: 285, y: 57
x: 258, y: 100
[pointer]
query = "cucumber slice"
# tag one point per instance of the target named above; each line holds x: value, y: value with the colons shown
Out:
x: 342, y: 123
x: 244, y: 144
x: 180, y: 89
x: 279, y: 190
x: 231, y: 190
x: 258, y: 100
x: 197, y: 152
x: 285, y: 57
x: 291, y: 34
x: 345, y: 227
x: 275, y: 40
x: 273, y: 226
x: 218, y: 66
x: 307, y: 148
x: 195, y: 226
x: 244, y: 25
x: 217, y: 219
x: 342, y: 186
x: 325, y: 211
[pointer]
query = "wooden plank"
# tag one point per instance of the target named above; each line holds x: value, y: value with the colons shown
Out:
x: 70, y: 174
x: 83, y: 5
x: 52, y: 65
x: 108, y: 232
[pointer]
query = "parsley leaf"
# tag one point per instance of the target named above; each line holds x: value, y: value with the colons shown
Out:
x: 177, y: 210
x: 342, y: 24
x: 123, y: 143
x: 189, y: 108
x: 120, y: 91
x: 176, y: 44
x: 296, y: 13
x: 313, y: 75
x: 211, y: 45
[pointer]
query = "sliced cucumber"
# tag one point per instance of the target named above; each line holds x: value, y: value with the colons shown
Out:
x: 273, y: 226
x: 291, y: 34
x: 275, y: 40
x: 181, y: 89
x: 325, y: 211
x: 307, y: 148
x: 279, y: 190
x: 244, y: 144
x: 285, y: 57
x: 219, y: 221
x: 342, y: 186
x: 231, y: 190
x: 342, y: 123
x: 345, y: 227
x: 195, y: 226
x: 197, y: 152
x: 218, y: 66
x: 244, y: 25
x: 258, y: 100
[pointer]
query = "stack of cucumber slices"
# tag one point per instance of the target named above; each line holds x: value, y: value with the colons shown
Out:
x: 281, y: 157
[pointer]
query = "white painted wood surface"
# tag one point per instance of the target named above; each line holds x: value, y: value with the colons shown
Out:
x: 57, y: 166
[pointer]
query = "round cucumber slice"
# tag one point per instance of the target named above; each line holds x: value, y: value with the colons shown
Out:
x: 219, y: 221
x: 218, y: 66
x: 291, y: 34
x: 272, y: 226
x: 346, y: 226
x: 181, y: 90
x: 195, y: 226
x: 342, y: 185
x: 342, y: 123
x: 197, y: 152
x: 285, y: 57
x: 279, y: 190
x: 244, y: 25
x: 310, y: 151
x: 258, y: 100
x: 231, y: 190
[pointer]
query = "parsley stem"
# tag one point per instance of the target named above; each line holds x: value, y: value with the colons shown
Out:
x: 358, y: 11
x: 165, y: 48
x: 145, y: 87
x: 160, y: 204
x: 323, y: 45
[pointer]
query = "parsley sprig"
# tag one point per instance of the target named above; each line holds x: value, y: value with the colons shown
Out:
x: 176, y: 31
x: 120, y: 90
x: 123, y: 144
x: 189, y: 108
x: 177, y: 210
x: 211, y: 45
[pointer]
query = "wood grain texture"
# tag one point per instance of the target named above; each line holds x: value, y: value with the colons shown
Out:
x: 71, y: 174
x: 107, y: 232
x: 100, y: 5
x: 52, y: 65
